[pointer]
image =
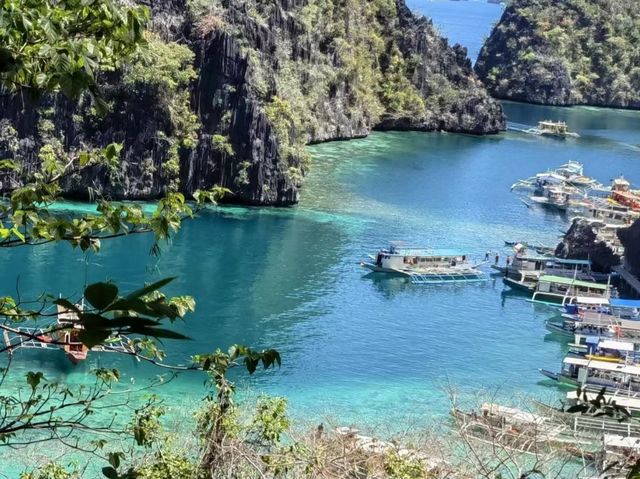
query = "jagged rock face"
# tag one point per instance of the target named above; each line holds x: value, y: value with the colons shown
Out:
x: 630, y: 238
x: 270, y: 77
x: 580, y: 242
x: 572, y: 52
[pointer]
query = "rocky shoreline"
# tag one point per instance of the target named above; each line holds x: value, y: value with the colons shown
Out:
x: 236, y: 90
x: 582, y: 242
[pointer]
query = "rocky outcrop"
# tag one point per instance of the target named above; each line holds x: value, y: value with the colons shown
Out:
x: 581, y: 242
x: 572, y: 52
x: 630, y: 238
x: 268, y: 78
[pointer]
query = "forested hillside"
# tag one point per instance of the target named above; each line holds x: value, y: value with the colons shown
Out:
x: 230, y: 92
x: 565, y: 53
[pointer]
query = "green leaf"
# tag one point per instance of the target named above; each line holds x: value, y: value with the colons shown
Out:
x: 41, y: 80
x: 9, y: 165
x: 33, y: 379
x: 18, y: 234
x: 114, y: 459
x: 91, y: 337
x: 101, y: 295
x: 84, y: 158
x: 112, y: 151
x: 156, y: 332
x: 150, y: 288
x: 110, y: 472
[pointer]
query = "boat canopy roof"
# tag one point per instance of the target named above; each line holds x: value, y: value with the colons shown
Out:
x: 425, y: 252
x: 571, y: 281
x: 585, y: 262
x: 591, y: 300
x: 625, y: 303
x: 603, y: 365
x: 512, y: 413
x: 535, y: 258
x: 616, y: 345
x: 577, y: 262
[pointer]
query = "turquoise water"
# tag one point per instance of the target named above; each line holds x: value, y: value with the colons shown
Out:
x: 356, y: 348
x: 468, y: 23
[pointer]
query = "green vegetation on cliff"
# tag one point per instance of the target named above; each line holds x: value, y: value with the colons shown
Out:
x: 230, y: 93
x: 569, y: 52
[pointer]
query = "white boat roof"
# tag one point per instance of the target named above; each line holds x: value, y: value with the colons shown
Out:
x: 617, y: 345
x: 513, y: 413
x: 603, y: 365
x: 425, y: 252
x: 627, y: 442
x: 624, y: 401
x: 591, y: 300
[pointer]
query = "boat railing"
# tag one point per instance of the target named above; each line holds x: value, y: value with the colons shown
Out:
x: 443, y: 277
x: 605, y: 425
x: 39, y: 338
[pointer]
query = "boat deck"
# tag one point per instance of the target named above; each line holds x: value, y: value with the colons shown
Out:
x: 438, y: 278
x: 27, y: 338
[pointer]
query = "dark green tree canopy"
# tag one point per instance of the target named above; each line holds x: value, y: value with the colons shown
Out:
x: 51, y: 45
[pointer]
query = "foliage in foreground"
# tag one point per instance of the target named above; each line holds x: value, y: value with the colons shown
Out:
x: 53, y: 46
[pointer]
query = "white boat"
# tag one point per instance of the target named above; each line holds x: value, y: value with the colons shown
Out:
x: 425, y: 265
x: 570, y: 174
x: 606, y: 216
x: 559, y: 289
x: 553, y: 197
x: 557, y: 129
x: 593, y: 374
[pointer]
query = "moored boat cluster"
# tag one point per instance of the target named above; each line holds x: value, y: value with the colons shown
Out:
x: 602, y: 330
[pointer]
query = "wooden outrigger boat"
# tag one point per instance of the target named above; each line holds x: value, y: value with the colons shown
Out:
x: 625, y: 399
x: 63, y: 335
x: 72, y: 346
x: 525, y: 267
x: 520, y: 430
x: 562, y: 290
x: 623, y: 195
x: 596, y: 374
x: 424, y: 266
x: 556, y: 129
x: 554, y: 197
x: 569, y: 176
x: 590, y: 424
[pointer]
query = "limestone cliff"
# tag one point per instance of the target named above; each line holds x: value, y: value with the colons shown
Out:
x: 580, y: 242
x: 630, y: 238
x: 570, y: 52
x: 233, y: 90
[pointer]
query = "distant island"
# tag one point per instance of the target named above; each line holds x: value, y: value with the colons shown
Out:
x: 572, y: 52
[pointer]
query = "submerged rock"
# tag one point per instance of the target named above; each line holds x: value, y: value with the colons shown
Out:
x: 581, y: 242
x: 267, y: 78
